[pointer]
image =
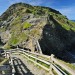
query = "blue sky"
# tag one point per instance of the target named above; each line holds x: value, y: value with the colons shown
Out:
x: 66, y: 7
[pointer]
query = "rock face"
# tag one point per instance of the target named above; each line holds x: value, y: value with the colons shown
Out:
x: 55, y: 39
x: 5, y: 36
x: 22, y: 24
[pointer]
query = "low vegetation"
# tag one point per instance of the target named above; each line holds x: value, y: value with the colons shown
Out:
x: 26, y: 25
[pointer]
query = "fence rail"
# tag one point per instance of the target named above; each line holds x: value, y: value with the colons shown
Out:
x: 52, y: 66
x: 72, y: 72
x: 53, y: 63
x: 7, y: 69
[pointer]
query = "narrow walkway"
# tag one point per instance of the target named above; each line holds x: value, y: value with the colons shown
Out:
x: 25, y: 67
x: 21, y: 68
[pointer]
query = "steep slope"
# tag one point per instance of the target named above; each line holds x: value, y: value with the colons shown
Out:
x: 22, y: 24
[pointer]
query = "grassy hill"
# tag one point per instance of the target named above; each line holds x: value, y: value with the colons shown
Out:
x: 21, y: 23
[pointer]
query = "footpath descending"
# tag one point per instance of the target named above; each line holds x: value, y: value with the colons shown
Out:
x: 24, y: 67
x: 28, y: 63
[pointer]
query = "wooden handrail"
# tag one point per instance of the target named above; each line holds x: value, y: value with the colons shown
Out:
x: 53, y: 61
x: 3, y: 62
x: 58, y: 71
x: 37, y: 59
x: 64, y: 66
x: 7, y: 67
x: 46, y: 56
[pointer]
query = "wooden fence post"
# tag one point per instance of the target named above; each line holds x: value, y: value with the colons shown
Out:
x: 36, y: 57
x: 5, y: 54
x: 51, y: 61
x: 52, y: 56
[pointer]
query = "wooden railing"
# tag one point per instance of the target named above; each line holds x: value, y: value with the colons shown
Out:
x: 7, y: 69
x: 51, y: 63
x: 65, y: 67
x: 59, y: 68
x: 4, y: 67
x: 37, y: 58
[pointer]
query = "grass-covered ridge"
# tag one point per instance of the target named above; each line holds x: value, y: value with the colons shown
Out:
x: 64, y: 22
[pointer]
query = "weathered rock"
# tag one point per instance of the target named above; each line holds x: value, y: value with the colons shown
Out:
x: 5, y: 36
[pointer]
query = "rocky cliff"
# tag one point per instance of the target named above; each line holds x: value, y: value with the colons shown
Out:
x: 22, y: 24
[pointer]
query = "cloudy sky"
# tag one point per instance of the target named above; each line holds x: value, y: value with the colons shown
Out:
x: 66, y: 7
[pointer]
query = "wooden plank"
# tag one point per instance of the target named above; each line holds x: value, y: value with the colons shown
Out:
x: 4, y: 67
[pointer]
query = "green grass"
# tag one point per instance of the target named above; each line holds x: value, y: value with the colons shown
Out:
x: 26, y: 25
x: 28, y: 11
x: 67, y: 27
x: 14, y: 41
x: 23, y: 37
x: 71, y: 23
x: 73, y: 28
x: 16, y: 20
x: 64, y: 25
x: 17, y: 35
x: 64, y: 22
x: 7, y: 46
x: 42, y: 63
